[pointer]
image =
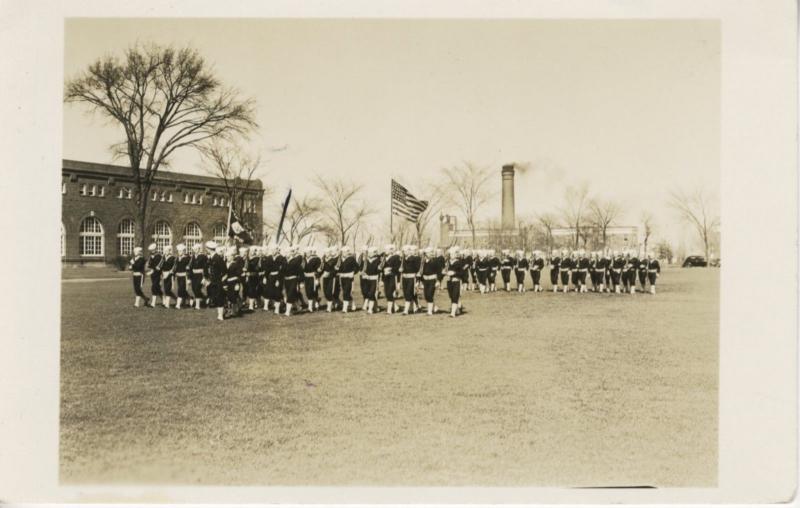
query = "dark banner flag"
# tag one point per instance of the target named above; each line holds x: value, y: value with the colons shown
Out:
x: 236, y: 228
x: 405, y: 205
x: 283, y: 216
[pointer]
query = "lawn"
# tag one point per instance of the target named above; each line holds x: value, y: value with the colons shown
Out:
x: 524, y: 389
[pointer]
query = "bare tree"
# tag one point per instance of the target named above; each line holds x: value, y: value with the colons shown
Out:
x: 341, y: 208
x: 302, y: 219
x: 434, y: 199
x: 698, y: 208
x: 164, y: 99
x: 574, y: 210
x: 239, y: 173
x: 548, y: 222
x: 468, y: 190
x: 648, y: 225
x: 603, y: 214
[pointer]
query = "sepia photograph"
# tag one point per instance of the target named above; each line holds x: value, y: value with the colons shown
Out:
x: 390, y: 252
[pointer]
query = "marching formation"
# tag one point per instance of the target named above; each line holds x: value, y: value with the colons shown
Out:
x: 287, y: 281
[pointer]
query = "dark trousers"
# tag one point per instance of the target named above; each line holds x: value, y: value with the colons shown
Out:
x: 137, y: 285
x: 652, y: 276
x: 292, y: 294
x: 216, y: 294
x: 492, y: 276
x: 197, y: 285
x: 454, y: 289
x: 642, y: 277
x: 312, y: 290
x: 389, y: 284
x: 252, y: 286
x: 330, y: 288
x: 168, y: 287
x: 520, y: 277
x: 274, y: 287
x: 615, y: 277
x: 506, y: 274
x: 182, y: 293
x: 362, y: 282
x: 371, y: 289
x: 554, y: 276
x: 536, y: 276
x: 347, y: 288
x: 576, y: 277
x: 232, y: 291
x: 155, y: 283
x: 429, y: 288
x: 564, y: 277
x: 482, y: 276
x: 408, y: 288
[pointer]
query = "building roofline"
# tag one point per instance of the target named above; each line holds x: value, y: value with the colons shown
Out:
x: 124, y: 172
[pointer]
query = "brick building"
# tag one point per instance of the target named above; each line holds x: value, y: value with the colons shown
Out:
x: 98, y: 211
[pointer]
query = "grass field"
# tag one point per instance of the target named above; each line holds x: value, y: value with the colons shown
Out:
x: 524, y: 389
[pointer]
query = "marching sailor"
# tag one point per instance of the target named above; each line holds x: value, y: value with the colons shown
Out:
x: 347, y: 272
x: 617, y: 266
x: 154, y: 261
x: 506, y: 266
x: 632, y: 267
x: 197, y: 272
x: 494, y: 265
x: 409, y: 268
x: 252, y: 278
x: 642, y: 270
x: 330, y: 281
x: 583, y: 270
x: 371, y: 274
x: 279, y: 269
x: 555, y: 267
x: 311, y: 272
x: 217, y: 269
x: 440, y: 266
x: 456, y: 273
x: 482, y: 267
x: 537, y: 266
x: 430, y: 273
x: 167, y: 271
x: 233, y: 280
x: 292, y: 275
x: 138, y: 265
x: 653, y: 271
x: 521, y: 266
x: 181, y: 274
x: 391, y: 270
x: 362, y: 282
x: 270, y: 277
x: 566, y: 269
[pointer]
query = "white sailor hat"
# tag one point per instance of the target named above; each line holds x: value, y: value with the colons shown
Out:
x: 211, y: 245
x: 137, y: 250
x: 428, y: 250
x: 196, y: 247
x: 168, y: 248
x: 152, y: 246
x: 372, y: 250
x: 243, y: 251
x: 180, y: 247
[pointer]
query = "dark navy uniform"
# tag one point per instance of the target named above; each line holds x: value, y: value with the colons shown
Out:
x: 410, y: 267
x: 567, y: 264
x: 370, y: 274
x: 482, y: 267
x: 643, y: 272
x: 469, y: 269
x: 430, y: 273
x: 555, y: 267
x: 440, y: 267
x: 391, y: 270
x: 583, y: 269
x: 311, y: 272
x: 274, y: 278
x: 520, y: 269
x: 233, y: 279
x: 217, y: 270
x: 181, y: 274
x: 630, y: 270
x: 330, y: 281
x: 456, y: 272
x: 251, y: 277
x: 494, y: 265
x: 293, y: 272
x: 537, y: 265
x: 197, y: 272
x: 138, y: 265
x: 266, y: 268
x: 154, y: 269
x: 506, y: 265
x: 167, y: 270
x: 347, y: 272
x: 653, y: 270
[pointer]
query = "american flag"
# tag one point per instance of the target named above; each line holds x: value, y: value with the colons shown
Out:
x: 405, y: 204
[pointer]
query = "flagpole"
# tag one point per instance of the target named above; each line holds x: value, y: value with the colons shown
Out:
x: 391, y: 211
x: 230, y: 212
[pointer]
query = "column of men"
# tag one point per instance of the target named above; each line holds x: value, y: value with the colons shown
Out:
x: 577, y: 270
x: 286, y: 281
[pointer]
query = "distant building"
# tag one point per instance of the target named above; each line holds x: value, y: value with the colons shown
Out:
x: 617, y: 238
x: 98, y: 211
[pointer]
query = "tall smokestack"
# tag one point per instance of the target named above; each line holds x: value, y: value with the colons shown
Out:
x: 507, y: 220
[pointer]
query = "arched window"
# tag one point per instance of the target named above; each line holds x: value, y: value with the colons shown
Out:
x: 162, y: 234
x: 125, y: 237
x: 192, y: 235
x: 220, y: 233
x: 63, y: 244
x: 91, y: 237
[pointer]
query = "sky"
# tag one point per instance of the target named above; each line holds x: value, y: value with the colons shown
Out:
x: 631, y: 107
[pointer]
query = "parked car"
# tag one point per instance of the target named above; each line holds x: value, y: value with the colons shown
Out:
x: 691, y: 261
